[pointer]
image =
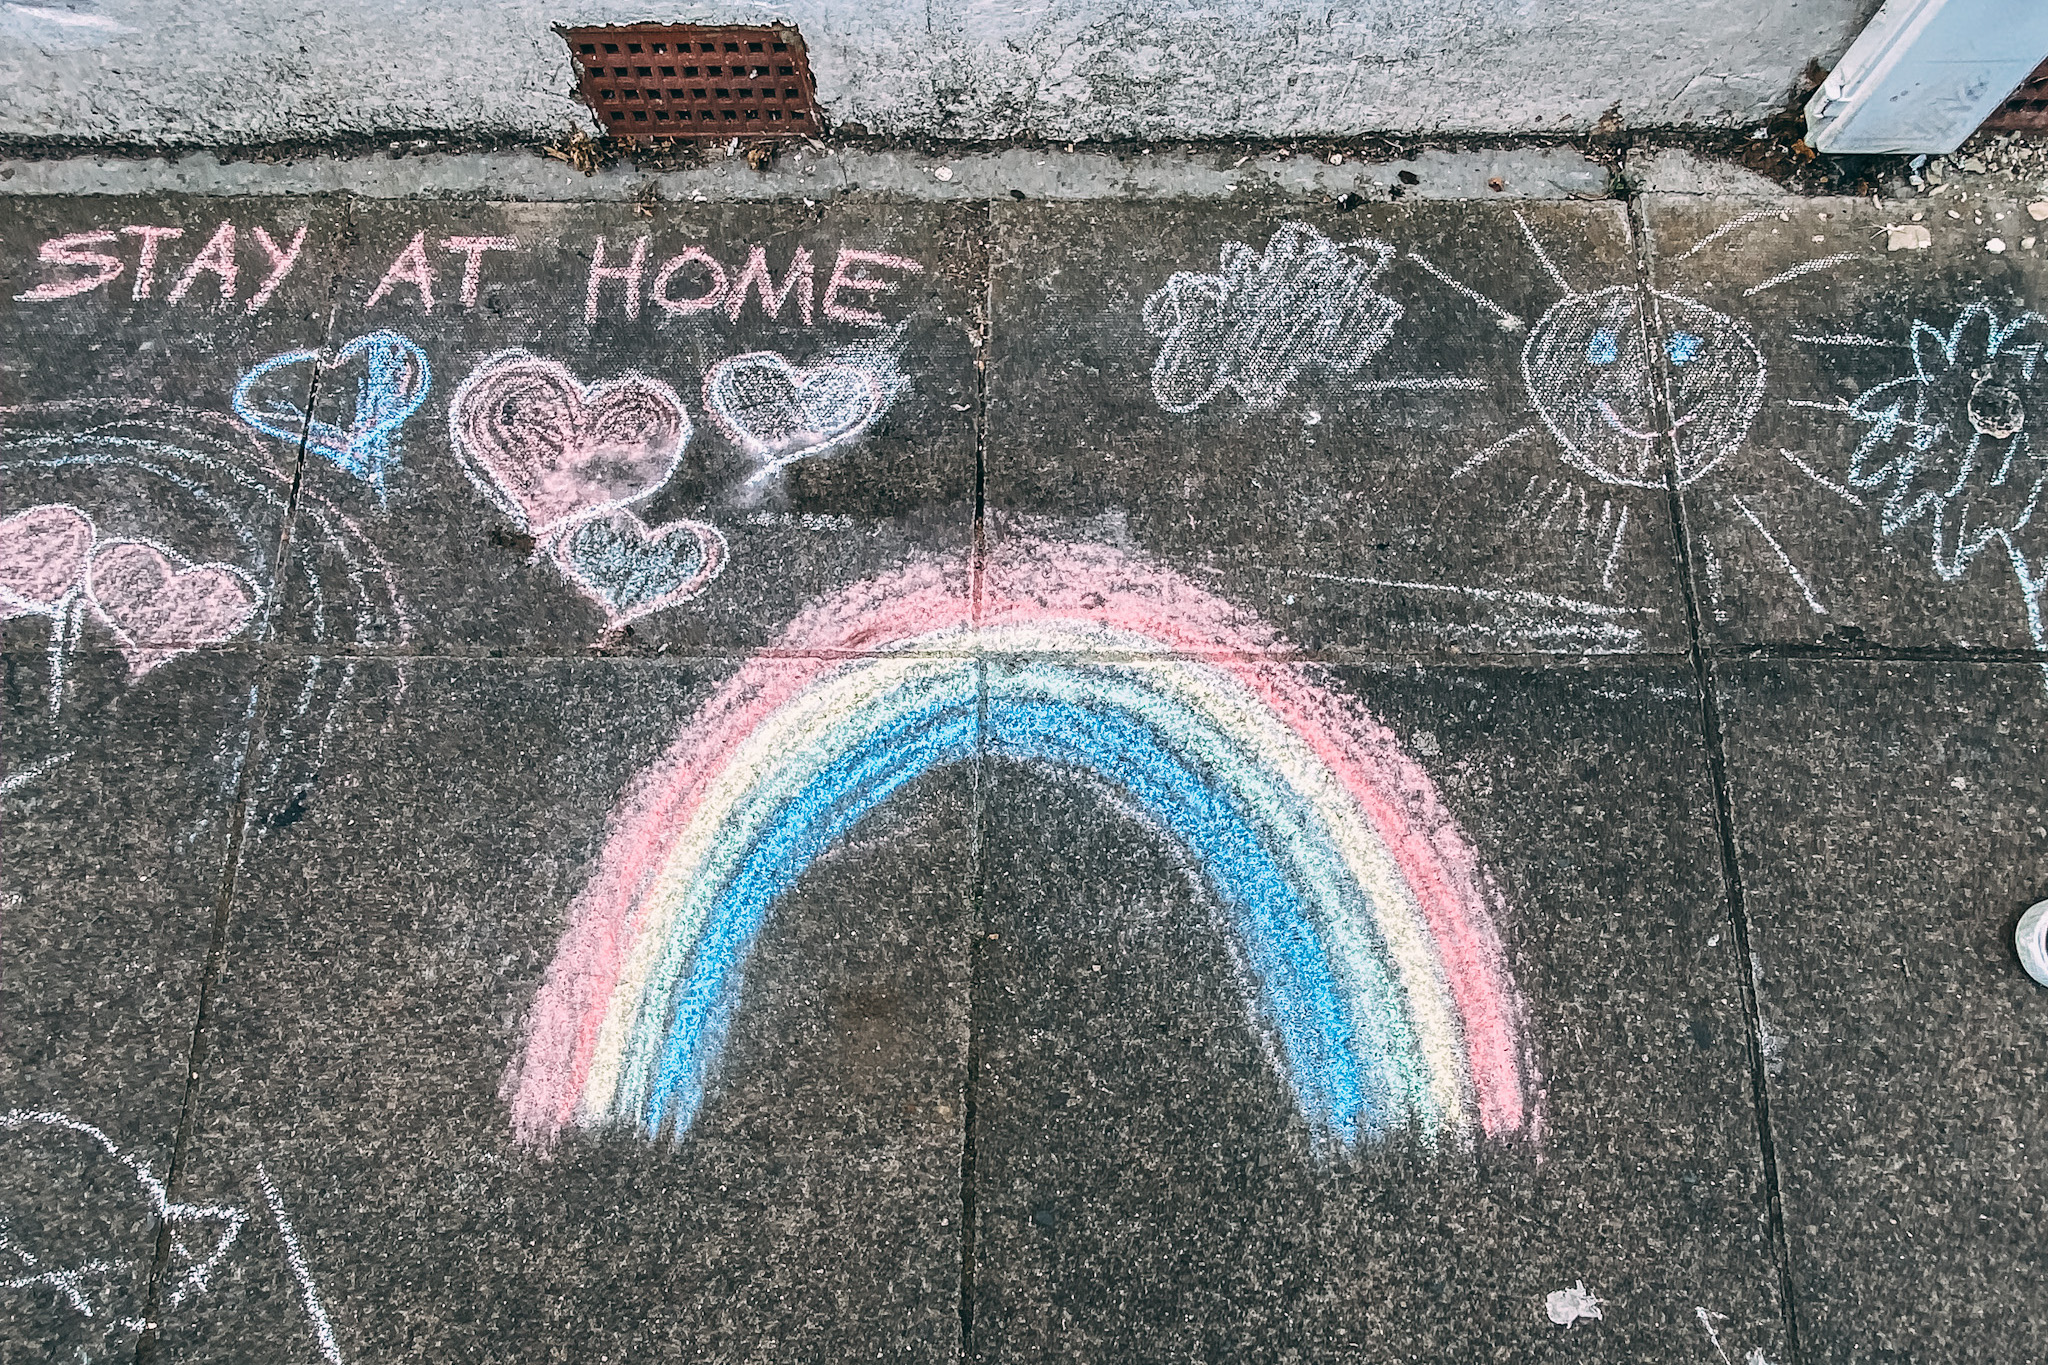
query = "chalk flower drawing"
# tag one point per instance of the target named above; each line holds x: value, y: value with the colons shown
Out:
x: 1306, y: 302
x: 159, y: 526
x: 384, y: 377
x: 1359, y: 909
x: 97, y: 1207
x: 564, y: 460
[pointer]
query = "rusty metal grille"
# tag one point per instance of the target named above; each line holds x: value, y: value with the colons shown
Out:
x: 685, y: 80
x: 2026, y: 109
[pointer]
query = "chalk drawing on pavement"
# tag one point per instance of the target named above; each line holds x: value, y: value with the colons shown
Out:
x: 1361, y: 915
x: 564, y: 459
x: 94, y: 1233
x: 154, y: 531
x: 1945, y: 453
x: 384, y: 378
x: 1303, y: 303
x: 778, y: 413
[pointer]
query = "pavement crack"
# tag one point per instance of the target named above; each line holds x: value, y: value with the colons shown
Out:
x: 1703, y: 659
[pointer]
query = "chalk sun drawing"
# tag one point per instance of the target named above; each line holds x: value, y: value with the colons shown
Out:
x: 91, y: 1250
x: 778, y: 413
x: 1359, y: 908
x: 1306, y: 302
x: 1947, y: 447
x: 1632, y: 386
x: 545, y: 448
x: 159, y: 526
x: 392, y: 384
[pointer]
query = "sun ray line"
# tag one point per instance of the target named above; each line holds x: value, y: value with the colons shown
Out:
x: 1847, y: 339
x: 1418, y: 382
x: 1823, y: 480
x: 1496, y: 448
x: 1804, y: 268
x: 1543, y: 255
x: 1779, y: 550
x: 1614, y: 552
x: 1507, y: 319
x: 1722, y: 231
x: 1836, y: 406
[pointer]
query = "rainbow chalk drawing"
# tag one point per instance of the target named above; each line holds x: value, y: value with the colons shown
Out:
x: 391, y: 387
x: 1359, y: 909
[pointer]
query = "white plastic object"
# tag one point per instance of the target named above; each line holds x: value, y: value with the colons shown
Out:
x: 2031, y: 938
x: 1924, y: 73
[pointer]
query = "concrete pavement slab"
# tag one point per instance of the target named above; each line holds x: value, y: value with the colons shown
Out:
x: 1333, y: 417
x: 665, y: 423
x: 119, y: 810
x: 1150, y: 1179
x: 387, y: 988
x: 1885, y: 491
x: 1890, y: 823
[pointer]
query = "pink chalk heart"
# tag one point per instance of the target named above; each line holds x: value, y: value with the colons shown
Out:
x: 546, y: 449
x: 42, y: 558
x: 778, y: 411
x: 160, y: 606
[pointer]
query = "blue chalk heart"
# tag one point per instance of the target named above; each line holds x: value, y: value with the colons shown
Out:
x: 392, y: 385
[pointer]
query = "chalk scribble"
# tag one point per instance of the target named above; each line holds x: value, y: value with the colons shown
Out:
x: 1305, y: 303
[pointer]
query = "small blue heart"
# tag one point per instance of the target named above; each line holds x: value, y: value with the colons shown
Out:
x: 391, y: 388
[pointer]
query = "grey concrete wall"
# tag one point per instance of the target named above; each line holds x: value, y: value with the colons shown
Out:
x: 239, y: 71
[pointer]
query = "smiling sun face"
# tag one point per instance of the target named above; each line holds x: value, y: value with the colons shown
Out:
x: 1589, y: 368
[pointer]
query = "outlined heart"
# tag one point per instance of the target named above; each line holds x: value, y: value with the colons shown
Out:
x: 390, y: 387
x: 43, y: 551
x: 778, y: 412
x: 547, y: 449
x: 632, y: 571
x: 160, y: 605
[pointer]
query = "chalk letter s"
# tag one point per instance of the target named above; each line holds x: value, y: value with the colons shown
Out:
x: 67, y: 251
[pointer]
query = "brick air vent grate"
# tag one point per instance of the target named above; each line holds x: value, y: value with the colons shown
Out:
x: 2026, y: 109
x: 689, y: 80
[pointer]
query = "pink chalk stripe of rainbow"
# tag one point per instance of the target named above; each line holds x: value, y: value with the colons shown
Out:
x: 1358, y: 906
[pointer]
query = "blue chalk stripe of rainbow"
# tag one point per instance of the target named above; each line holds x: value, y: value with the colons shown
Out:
x: 1346, y: 974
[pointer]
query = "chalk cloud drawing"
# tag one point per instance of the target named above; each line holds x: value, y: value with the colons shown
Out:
x: 390, y: 378
x: 1361, y: 915
x: 778, y: 413
x: 632, y: 570
x: 1306, y: 302
x: 1948, y: 447
x: 87, y: 1251
x: 159, y: 605
x: 180, y: 513
x: 563, y: 460
x: 545, y: 448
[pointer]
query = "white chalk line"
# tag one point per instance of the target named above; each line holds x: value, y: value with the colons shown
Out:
x: 1420, y: 383
x: 295, y: 1256
x: 21, y: 777
x: 1836, y: 406
x: 1507, y: 319
x: 1825, y: 482
x: 1614, y: 554
x: 1806, y: 268
x: 1846, y: 339
x: 1722, y: 231
x: 1779, y: 550
x: 1517, y: 595
x: 1543, y: 256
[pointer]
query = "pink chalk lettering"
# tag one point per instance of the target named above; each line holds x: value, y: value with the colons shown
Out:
x: 863, y: 284
x: 773, y: 296
x: 714, y: 278
x: 66, y: 251
x: 410, y: 268
x: 145, y: 261
x: 546, y: 449
x: 628, y: 273
x: 282, y: 259
x: 216, y: 258
x: 42, y: 559
x: 473, y: 249
x: 160, y: 605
